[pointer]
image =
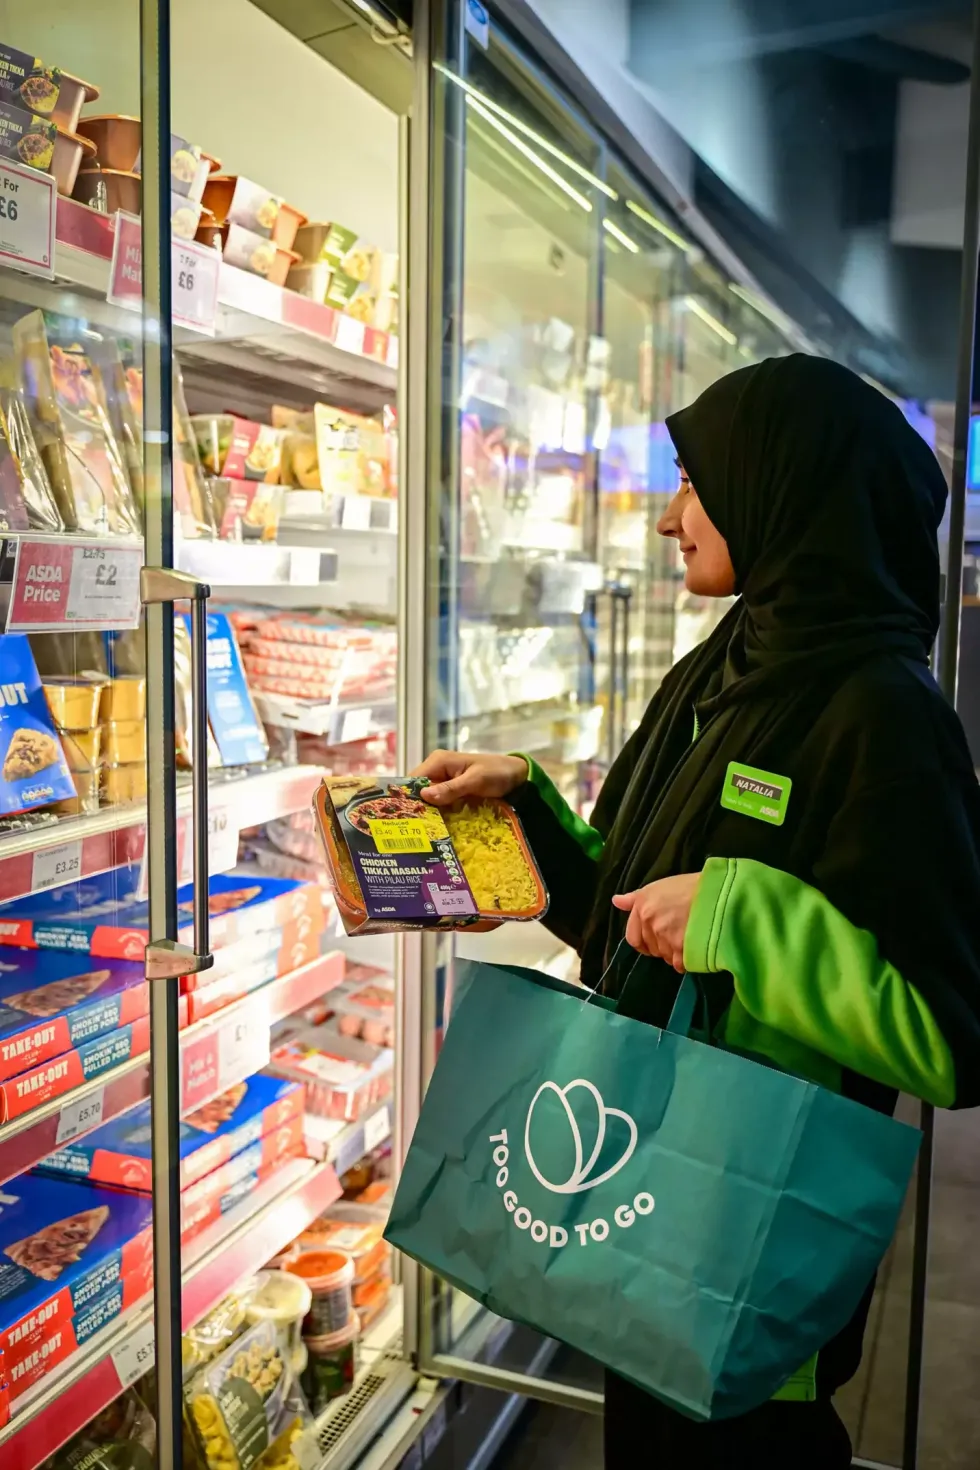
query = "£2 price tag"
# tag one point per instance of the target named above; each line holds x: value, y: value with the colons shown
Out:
x: 80, y: 1116
x: 135, y: 1356
x: 55, y: 865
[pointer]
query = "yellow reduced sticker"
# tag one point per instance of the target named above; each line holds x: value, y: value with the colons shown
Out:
x: 409, y: 835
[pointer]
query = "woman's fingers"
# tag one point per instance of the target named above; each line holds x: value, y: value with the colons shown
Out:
x: 444, y: 793
x: 442, y: 765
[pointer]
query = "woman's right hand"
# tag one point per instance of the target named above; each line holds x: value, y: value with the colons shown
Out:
x: 455, y: 776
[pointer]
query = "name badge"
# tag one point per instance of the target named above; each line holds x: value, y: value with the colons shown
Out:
x: 757, y: 794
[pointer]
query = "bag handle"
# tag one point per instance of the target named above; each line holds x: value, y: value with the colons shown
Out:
x: 689, y: 993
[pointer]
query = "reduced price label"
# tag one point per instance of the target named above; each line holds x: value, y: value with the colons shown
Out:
x: 89, y: 587
x: 27, y: 219
x: 194, y: 290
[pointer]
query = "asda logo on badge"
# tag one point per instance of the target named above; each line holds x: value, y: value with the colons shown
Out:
x: 573, y: 1143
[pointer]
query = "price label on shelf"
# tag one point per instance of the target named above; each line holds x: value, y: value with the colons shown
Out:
x: 80, y: 1117
x: 135, y: 1356
x: 28, y: 202
x: 356, y: 725
x: 356, y: 514
x: 222, y: 840
x: 243, y: 1043
x: 126, y: 270
x: 92, y: 586
x: 376, y: 1130
x: 349, y: 333
x: 55, y: 865
x: 194, y: 301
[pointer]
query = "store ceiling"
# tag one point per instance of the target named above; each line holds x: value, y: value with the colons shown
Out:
x: 364, y: 46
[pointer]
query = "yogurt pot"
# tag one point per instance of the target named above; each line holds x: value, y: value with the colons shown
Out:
x: 329, y: 1275
x: 284, y: 1299
x: 124, y: 698
x: 331, y: 1366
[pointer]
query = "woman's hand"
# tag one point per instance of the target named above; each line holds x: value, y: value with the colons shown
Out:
x: 454, y: 775
x: 658, y: 916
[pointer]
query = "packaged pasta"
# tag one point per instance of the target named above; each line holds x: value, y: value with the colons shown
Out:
x: 66, y: 401
x: 396, y: 862
x: 245, y: 1400
x: 351, y: 452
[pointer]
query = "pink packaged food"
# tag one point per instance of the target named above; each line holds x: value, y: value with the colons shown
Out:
x: 312, y: 629
x: 367, y: 1011
x: 343, y: 1077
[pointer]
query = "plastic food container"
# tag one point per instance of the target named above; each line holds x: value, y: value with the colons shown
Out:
x: 117, y: 139
x: 363, y: 1242
x: 284, y: 1298
x: 310, y: 239
x: 109, y: 189
x: 86, y: 798
x: 124, y: 698
x: 74, y: 703
x: 287, y: 223
x: 310, y: 279
x: 488, y: 841
x: 124, y: 741
x: 343, y: 1078
x: 69, y: 150
x: 81, y: 748
x: 185, y: 217
x: 72, y: 96
x: 219, y: 191
x: 329, y: 1275
x: 372, y: 1298
x: 285, y: 1258
x: 123, y: 782
x: 331, y: 1366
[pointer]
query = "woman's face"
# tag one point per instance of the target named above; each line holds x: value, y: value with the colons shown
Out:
x: 708, y: 566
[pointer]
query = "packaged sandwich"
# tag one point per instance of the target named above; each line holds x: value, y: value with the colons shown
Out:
x: 26, y: 498
x: 192, y: 490
x: 66, y: 402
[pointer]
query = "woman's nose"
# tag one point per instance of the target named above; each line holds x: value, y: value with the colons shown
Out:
x: 669, y: 523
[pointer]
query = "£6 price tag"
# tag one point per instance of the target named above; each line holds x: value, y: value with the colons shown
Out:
x: 194, y: 300
x: 135, y: 1356
x: 55, y: 865
x: 27, y: 219
x: 80, y: 1116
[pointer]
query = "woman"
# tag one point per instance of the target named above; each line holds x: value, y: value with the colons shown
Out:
x: 796, y: 818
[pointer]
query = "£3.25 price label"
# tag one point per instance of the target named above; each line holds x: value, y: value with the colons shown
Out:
x: 80, y: 1116
x: 55, y: 865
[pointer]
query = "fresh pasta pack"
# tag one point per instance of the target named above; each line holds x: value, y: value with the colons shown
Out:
x: 397, y: 862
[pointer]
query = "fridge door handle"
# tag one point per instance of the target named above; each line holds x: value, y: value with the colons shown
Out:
x: 167, y: 958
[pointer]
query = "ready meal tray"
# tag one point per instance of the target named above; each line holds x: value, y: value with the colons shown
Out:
x: 396, y: 862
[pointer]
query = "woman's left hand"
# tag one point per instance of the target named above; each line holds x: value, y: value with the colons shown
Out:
x: 658, y: 916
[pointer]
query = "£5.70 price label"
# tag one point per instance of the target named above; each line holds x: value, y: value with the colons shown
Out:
x: 55, y: 865
x: 80, y: 1117
x: 27, y: 215
x: 194, y: 287
x: 135, y: 1356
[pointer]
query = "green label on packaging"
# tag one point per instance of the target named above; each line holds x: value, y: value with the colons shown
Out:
x: 757, y: 794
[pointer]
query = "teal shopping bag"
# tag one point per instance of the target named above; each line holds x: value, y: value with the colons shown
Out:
x: 697, y: 1221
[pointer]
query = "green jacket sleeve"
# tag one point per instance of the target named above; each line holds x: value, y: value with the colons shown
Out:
x: 803, y: 970
x: 567, y: 851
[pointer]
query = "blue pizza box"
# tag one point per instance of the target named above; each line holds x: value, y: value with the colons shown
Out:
x: 99, y: 916
x: 64, y: 1245
x: 50, y: 1003
x: 119, y: 1152
x: 33, y: 769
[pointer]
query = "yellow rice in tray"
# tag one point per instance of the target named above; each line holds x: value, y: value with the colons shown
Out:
x: 491, y: 857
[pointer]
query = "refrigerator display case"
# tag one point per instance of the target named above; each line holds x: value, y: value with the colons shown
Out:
x: 260, y: 525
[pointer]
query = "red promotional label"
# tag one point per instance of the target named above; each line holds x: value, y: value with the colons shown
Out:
x: 126, y: 271
x: 88, y: 587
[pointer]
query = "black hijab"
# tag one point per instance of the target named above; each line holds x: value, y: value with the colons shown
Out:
x: 830, y: 504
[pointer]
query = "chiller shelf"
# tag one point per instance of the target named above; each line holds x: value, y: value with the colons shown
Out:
x: 214, y: 1263
x: 27, y: 1140
x: 116, y: 835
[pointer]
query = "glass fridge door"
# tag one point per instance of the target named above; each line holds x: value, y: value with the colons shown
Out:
x: 514, y: 521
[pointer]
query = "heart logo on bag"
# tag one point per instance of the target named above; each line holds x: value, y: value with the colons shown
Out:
x: 579, y: 1181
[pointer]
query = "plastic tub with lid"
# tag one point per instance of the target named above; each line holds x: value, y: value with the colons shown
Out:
x: 283, y: 1298
x: 329, y: 1274
x: 331, y: 1366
